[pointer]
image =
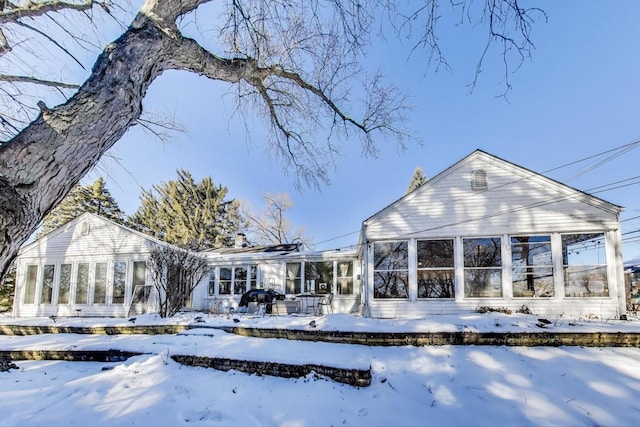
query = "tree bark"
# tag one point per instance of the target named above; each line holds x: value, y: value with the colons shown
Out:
x: 40, y: 165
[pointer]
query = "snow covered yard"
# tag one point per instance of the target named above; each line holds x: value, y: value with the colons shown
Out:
x: 445, y: 385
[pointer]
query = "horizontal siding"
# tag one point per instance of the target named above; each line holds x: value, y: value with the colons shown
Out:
x: 514, y: 203
x: 75, y: 239
x: 576, y: 309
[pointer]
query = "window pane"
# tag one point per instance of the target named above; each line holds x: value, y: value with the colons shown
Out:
x: 253, y: 276
x: 533, y: 281
x: 240, y: 281
x: 436, y: 275
x: 212, y: 282
x: 435, y: 253
x: 485, y: 252
x: 65, y: 284
x: 139, y: 273
x: 225, y: 281
x: 100, y: 283
x: 482, y: 283
x: 436, y: 283
x: 318, y: 277
x: 30, y: 285
x: 345, y: 278
x: 391, y: 284
x: 390, y: 270
x: 482, y: 272
x: 532, y: 269
x: 584, y: 265
x: 119, y: 281
x: 391, y: 255
x: 293, y: 284
x: 586, y: 281
x: 82, y: 283
x: 46, y: 292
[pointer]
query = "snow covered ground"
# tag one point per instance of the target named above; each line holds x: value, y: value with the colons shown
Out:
x: 445, y: 385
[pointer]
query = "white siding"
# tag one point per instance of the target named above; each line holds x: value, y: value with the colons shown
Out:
x: 516, y: 202
x: 88, y: 239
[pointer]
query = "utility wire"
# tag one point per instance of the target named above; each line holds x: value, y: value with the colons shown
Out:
x: 607, y: 187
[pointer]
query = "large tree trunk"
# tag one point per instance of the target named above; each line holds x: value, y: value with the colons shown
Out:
x: 42, y: 163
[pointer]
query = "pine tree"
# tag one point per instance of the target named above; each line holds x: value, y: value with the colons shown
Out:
x: 94, y: 198
x: 417, y: 180
x: 191, y: 215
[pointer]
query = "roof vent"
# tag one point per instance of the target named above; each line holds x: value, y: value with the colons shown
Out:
x: 479, y: 180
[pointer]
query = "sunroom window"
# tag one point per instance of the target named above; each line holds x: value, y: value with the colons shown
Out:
x: 482, y: 267
x: 293, y: 284
x: 584, y: 265
x: 532, y: 266
x: 30, y: 285
x: 391, y: 270
x: 344, y: 281
x: 82, y: 283
x: 119, y: 281
x: 64, y: 280
x: 436, y: 273
x: 100, y: 283
x: 47, y: 284
x: 240, y: 280
x: 225, y: 281
x: 318, y: 277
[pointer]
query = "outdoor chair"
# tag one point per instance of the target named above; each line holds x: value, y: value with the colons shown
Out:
x: 325, y: 302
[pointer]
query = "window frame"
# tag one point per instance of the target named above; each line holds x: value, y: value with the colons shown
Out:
x: 393, y: 272
x: 447, y: 269
x: 534, y: 273
x: 600, y: 268
x: 116, y: 274
x: 494, y: 270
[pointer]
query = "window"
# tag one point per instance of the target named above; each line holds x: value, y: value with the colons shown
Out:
x: 30, y: 285
x: 240, y: 280
x: 253, y: 277
x: 532, y: 266
x: 436, y: 272
x: 212, y: 281
x: 293, y: 283
x: 482, y: 267
x: 391, y: 270
x: 344, y: 282
x: 119, y: 281
x: 225, y: 281
x: 141, y: 291
x: 318, y: 277
x: 234, y: 280
x: 64, y: 280
x: 82, y: 283
x: 46, y: 292
x: 584, y: 265
x: 100, y: 283
x: 139, y: 272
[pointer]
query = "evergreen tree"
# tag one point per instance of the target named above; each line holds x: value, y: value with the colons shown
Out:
x: 417, y: 180
x: 94, y: 198
x: 191, y: 215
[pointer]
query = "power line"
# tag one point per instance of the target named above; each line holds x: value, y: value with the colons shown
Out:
x: 618, y: 151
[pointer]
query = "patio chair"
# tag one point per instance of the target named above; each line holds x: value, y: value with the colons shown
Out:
x: 325, y: 302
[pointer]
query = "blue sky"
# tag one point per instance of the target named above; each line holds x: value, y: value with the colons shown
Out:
x: 576, y: 97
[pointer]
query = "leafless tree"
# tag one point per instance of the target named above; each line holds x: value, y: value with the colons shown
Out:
x: 294, y: 62
x: 175, y: 273
x: 271, y: 225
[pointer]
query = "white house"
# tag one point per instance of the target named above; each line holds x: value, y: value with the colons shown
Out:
x: 90, y: 266
x: 486, y: 232
x: 483, y: 233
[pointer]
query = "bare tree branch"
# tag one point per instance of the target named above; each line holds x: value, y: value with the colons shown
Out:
x: 34, y: 80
